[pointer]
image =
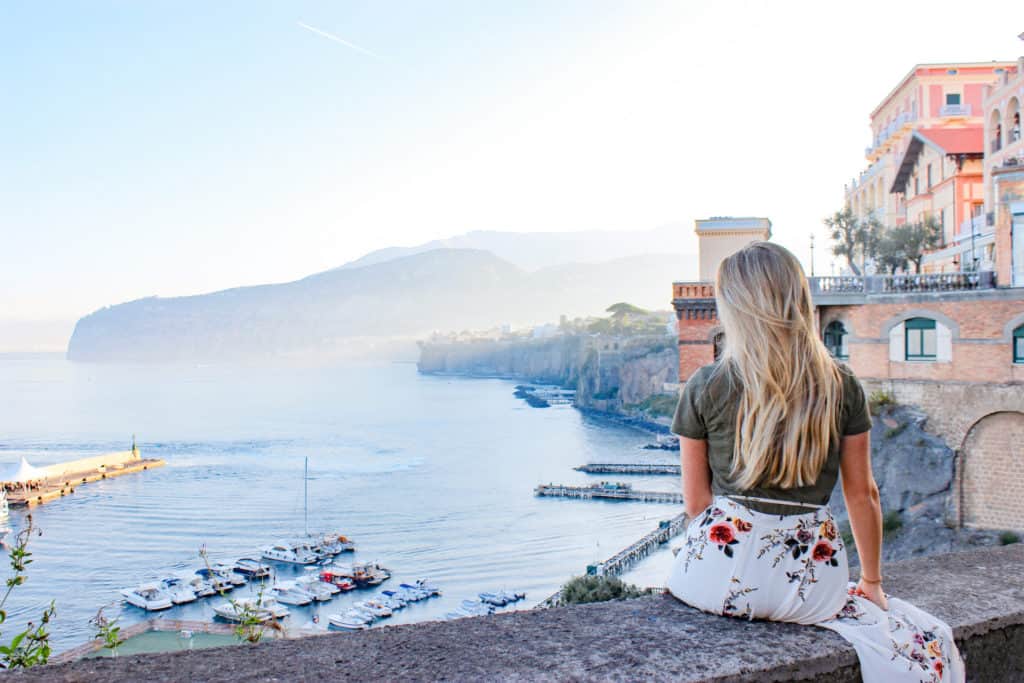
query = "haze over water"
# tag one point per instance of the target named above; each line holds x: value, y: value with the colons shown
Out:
x: 432, y: 476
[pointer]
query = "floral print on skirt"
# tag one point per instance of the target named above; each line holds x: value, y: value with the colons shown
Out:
x: 743, y: 563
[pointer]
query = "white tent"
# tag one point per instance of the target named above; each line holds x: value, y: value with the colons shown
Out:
x: 22, y: 472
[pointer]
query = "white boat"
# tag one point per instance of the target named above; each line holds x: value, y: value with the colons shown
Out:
x: 335, y: 543
x: 252, y: 568
x: 425, y: 585
x: 148, y: 596
x: 493, y: 599
x: 321, y: 591
x: 475, y: 608
x: 374, y: 607
x: 228, y: 573
x: 288, y: 593
x: 219, y: 583
x: 287, y: 552
x: 5, y: 508
x: 200, y: 586
x: 392, y: 602
x: 179, y: 590
x: 350, y: 621
x: 262, y: 610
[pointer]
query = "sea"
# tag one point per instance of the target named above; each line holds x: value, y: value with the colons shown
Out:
x: 432, y: 476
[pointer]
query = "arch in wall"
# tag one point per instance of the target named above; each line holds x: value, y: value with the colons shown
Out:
x: 900, y: 334
x: 836, y: 336
x: 990, y: 491
x: 995, y: 131
x: 1012, y: 125
x: 895, y: 320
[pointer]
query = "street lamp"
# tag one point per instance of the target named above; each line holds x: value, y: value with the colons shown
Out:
x: 812, y: 254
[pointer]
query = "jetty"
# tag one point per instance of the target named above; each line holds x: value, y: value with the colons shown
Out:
x: 615, y: 491
x: 628, y: 468
x: 27, y: 485
x: 631, y: 554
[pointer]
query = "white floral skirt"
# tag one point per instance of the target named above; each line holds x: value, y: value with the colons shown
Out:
x: 742, y: 563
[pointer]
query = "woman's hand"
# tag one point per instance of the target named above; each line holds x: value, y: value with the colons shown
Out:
x: 873, y: 592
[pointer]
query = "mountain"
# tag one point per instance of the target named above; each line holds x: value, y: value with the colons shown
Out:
x: 534, y: 250
x: 349, y: 309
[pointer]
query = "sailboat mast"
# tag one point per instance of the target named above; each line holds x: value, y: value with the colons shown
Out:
x: 305, y: 496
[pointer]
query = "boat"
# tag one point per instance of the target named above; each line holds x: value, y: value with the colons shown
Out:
x: 227, y: 571
x: 251, y: 567
x: 425, y: 585
x: 339, y: 579
x: 420, y: 593
x: 321, y: 591
x: 288, y: 593
x: 288, y: 553
x: 475, y: 607
x: 374, y: 607
x: 509, y: 596
x: 261, y: 610
x: 179, y: 590
x: 350, y: 621
x: 200, y: 586
x: 392, y: 602
x: 336, y: 544
x: 219, y: 583
x: 149, y: 596
x: 493, y: 599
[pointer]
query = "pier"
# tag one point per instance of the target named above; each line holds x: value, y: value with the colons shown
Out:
x: 607, y: 490
x: 628, y: 468
x: 631, y: 554
x: 28, y: 485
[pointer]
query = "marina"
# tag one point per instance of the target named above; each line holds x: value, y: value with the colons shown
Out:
x: 27, y: 485
x: 608, y: 490
x: 628, y: 468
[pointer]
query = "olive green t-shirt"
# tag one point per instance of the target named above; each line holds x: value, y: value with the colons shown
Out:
x: 707, y: 410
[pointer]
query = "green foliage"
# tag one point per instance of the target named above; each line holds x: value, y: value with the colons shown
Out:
x: 1008, y: 538
x: 622, y: 310
x: 895, y: 431
x: 847, y: 534
x: 902, y: 245
x: 583, y: 589
x: 891, y: 521
x: 108, y: 631
x: 878, y: 400
x: 30, y: 647
x: 850, y: 236
x: 660, y: 404
x: 607, y: 394
x: 250, y: 628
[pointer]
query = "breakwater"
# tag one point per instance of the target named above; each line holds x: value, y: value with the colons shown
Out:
x: 37, y: 485
x: 615, y: 492
x: 628, y: 468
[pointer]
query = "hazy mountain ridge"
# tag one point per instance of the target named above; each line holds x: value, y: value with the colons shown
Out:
x: 405, y: 297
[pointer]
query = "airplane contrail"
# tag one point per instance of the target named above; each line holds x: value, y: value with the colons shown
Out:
x: 331, y: 36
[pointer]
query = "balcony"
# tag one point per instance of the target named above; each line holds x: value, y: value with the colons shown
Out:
x: 890, y: 130
x: 955, y: 110
x: 853, y: 289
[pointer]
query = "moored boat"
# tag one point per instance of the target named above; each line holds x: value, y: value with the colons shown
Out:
x: 251, y: 567
x: 374, y: 607
x: 350, y: 621
x: 149, y: 596
x: 289, y: 553
x: 288, y: 593
x: 246, y: 608
x: 178, y: 590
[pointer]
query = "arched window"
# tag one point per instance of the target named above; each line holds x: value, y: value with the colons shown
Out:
x: 921, y: 343
x: 1018, y: 345
x: 1013, y: 121
x: 835, y: 339
x: 996, y: 131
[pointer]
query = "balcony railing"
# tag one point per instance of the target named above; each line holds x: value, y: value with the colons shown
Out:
x: 889, y: 131
x: 855, y: 285
x: 955, y: 110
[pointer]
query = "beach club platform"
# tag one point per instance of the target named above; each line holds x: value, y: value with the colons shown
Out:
x: 27, y: 485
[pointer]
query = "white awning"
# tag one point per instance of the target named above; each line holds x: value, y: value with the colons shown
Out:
x: 22, y: 472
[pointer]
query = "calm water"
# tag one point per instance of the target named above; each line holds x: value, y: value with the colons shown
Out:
x: 431, y: 476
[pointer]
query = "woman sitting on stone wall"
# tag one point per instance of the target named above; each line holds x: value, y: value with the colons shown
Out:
x: 765, y: 432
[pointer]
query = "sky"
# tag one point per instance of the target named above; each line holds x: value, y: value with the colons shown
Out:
x: 172, y: 148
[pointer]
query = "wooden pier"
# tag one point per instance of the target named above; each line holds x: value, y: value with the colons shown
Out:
x: 618, y: 563
x: 61, y: 479
x: 628, y: 468
x: 609, y: 491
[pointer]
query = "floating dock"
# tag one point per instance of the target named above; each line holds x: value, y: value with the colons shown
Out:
x: 627, y: 468
x: 605, y: 490
x: 631, y: 554
x: 52, y: 482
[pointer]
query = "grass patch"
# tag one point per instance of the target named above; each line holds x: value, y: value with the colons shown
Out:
x: 847, y: 534
x: 891, y: 522
x: 584, y: 589
x: 663, y: 405
x: 1008, y: 538
x: 879, y: 400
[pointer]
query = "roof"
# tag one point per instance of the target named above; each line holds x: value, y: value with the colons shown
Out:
x: 969, y: 140
x: 732, y: 223
x: 938, y: 65
x: 22, y: 472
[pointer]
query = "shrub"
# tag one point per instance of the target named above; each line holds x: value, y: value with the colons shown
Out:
x: 891, y: 521
x: 1008, y: 538
x: 607, y: 394
x: 659, y: 404
x: 583, y: 589
x: 878, y: 400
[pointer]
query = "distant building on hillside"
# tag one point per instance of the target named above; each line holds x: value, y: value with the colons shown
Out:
x: 722, y: 236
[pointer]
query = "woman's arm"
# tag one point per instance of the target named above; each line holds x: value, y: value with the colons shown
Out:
x: 693, y: 464
x: 865, y: 510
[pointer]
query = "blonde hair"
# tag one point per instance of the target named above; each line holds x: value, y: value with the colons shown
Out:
x: 790, y: 385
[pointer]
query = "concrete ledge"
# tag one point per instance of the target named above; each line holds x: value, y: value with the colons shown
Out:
x: 980, y: 593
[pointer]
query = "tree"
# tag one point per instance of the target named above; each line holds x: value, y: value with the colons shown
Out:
x: 847, y: 233
x: 918, y: 239
x: 622, y: 309
x: 890, y: 254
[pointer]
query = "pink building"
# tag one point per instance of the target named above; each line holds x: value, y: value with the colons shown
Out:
x: 1004, y: 173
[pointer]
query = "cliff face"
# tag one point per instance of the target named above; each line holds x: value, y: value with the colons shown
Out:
x: 618, y: 375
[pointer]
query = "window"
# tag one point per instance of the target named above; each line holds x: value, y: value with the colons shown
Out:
x: 952, y: 98
x: 1018, y: 345
x: 929, y: 176
x: 920, y: 339
x: 835, y: 340
x: 917, y: 189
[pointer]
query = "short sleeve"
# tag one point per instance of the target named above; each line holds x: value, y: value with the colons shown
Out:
x: 688, y: 421
x: 856, y: 416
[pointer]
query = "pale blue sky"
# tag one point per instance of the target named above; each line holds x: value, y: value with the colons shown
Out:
x: 179, y: 147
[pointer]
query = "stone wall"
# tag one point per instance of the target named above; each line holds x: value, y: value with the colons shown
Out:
x: 657, y: 638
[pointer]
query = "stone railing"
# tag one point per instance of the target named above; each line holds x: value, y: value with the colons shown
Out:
x: 980, y: 594
x: 832, y: 286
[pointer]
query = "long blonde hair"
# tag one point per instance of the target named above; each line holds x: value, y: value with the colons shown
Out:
x: 790, y: 386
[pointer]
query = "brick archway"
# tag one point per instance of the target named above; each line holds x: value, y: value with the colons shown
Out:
x: 990, y: 488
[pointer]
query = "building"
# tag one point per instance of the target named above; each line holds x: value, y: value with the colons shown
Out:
x: 1004, y: 173
x: 930, y: 96
x: 940, y: 176
x: 721, y: 236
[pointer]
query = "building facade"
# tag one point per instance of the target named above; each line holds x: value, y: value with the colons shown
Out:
x: 721, y: 236
x: 1004, y: 173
